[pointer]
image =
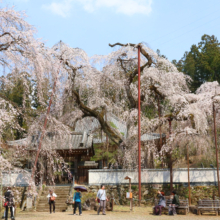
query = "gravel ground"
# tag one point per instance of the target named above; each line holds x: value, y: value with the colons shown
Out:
x: 139, y: 213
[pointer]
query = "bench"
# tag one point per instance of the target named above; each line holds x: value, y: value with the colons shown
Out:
x: 206, y: 205
x: 184, y: 206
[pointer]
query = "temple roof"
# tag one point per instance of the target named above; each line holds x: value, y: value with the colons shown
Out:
x: 73, y: 141
x: 90, y: 125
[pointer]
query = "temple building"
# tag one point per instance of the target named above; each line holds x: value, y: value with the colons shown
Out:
x: 75, y: 148
x: 85, y: 148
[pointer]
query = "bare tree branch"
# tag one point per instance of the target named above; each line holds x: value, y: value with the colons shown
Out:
x: 131, y: 75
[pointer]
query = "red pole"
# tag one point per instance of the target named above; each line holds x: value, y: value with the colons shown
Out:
x: 170, y: 155
x: 139, y: 125
x: 188, y: 174
x: 44, y: 129
x: 216, y: 148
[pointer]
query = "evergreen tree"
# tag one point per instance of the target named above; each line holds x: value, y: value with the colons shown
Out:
x: 202, y: 62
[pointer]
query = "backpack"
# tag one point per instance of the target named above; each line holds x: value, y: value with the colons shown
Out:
x: 9, y: 199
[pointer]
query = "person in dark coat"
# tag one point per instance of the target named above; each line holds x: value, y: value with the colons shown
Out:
x: 175, y: 203
x: 161, y: 204
x: 9, y: 203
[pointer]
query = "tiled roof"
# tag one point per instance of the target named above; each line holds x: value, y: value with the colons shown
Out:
x: 151, y: 136
x: 75, y: 140
x: 81, y: 138
x: 92, y: 124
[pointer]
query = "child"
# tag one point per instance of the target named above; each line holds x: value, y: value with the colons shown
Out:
x: 77, y: 202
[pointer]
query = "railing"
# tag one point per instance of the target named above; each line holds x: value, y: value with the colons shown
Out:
x: 72, y: 186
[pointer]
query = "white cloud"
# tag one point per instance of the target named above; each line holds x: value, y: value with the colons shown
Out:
x: 127, y: 7
x: 62, y: 8
x: 22, y: 0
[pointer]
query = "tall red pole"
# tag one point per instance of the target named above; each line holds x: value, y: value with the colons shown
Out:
x: 44, y: 129
x: 188, y: 174
x: 216, y: 148
x: 170, y: 156
x: 139, y: 124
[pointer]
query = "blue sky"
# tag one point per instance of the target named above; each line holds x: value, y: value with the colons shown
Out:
x: 171, y: 26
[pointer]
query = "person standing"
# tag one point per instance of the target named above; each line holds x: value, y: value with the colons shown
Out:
x: 175, y: 203
x: 101, y: 196
x: 9, y: 203
x: 161, y: 203
x: 51, y: 200
x: 77, y: 202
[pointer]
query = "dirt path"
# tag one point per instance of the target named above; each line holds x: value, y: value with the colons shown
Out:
x: 119, y: 213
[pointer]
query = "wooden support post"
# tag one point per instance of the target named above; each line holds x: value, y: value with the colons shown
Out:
x: 131, y: 206
x: 216, y: 148
x: 106, y: 119
x: 112, y: 200
x: 159, y: 114
x: 131, y: 199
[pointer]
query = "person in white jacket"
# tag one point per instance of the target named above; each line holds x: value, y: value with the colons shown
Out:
x: 51, y: 200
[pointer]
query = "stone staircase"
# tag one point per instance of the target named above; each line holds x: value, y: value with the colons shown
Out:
x: 62, y: 195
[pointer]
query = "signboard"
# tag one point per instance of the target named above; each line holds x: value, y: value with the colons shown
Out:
x: 129, y: 195
x: 29, y: 202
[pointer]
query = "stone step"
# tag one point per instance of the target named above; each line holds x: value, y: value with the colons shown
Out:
x: 47, y: 207
x: 58, y: 196
x: 57, y: 205
x: 58, y: 193
x: 62, y: 193
x: 46, y: 202
x: 57, y: 201
x: 56, y: 190
x: 47, y: 210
